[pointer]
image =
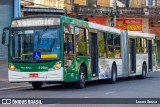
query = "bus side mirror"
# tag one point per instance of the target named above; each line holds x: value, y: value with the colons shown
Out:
x: 4, y: 37
x: 4, y: 34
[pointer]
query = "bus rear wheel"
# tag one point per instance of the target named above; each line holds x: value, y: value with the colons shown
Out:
x: 82, y: 78
x: 37, y: 85
x: 113, y: 75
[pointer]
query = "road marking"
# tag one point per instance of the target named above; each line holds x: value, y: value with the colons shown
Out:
x: 110, y: 92
x: 48, y: 105
x: 1, y: 89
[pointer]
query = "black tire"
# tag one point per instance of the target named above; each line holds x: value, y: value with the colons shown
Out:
x: 144, y: 71
x: 113, y: 75
x: 37, y: 85
x: 82, y: 78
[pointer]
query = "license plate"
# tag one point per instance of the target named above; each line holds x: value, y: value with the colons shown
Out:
x: 33, y: 75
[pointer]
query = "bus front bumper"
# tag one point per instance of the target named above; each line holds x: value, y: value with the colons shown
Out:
x: 15, y: 76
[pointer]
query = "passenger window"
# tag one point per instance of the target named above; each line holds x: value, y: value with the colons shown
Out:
x: 68, y: 44
x: 80, y: 39
x: 117, y: 49
x: 101, y: 45
x: 113, y: 46
x: 138, y: 45
x: 110, y: 46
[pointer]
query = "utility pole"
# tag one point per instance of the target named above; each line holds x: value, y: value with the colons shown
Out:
x: 114, y: 13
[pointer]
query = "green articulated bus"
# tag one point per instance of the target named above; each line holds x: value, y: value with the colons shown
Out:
x: 60, y: 49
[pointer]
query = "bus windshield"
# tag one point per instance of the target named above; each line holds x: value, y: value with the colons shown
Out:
x: 39, y: 44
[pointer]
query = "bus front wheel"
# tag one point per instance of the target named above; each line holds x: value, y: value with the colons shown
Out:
x: 82, y: 78
x: 37, y: 85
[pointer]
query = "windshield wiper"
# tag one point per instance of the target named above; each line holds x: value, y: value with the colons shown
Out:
x: 16, y: 57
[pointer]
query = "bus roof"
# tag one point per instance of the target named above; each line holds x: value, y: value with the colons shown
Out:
x: 37, y: 16
x: 139, y: 34
x: 104, y: 28
x: 90, y: 25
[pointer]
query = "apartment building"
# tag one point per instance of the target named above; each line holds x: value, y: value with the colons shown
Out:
x: 36, y: 7
x: 150, y: 16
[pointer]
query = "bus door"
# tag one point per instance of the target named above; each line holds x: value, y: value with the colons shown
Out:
x: 132, y: 55
x: 94, y: 54
x: 149, y: 55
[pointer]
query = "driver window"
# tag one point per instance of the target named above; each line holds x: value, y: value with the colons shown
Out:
x: 68, y: 44
x: 68, y: 41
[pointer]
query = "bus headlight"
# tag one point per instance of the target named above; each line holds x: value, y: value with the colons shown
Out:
x: 57, y: 65
x: 11, y: 67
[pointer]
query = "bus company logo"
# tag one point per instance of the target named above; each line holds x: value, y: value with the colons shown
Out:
x: 6, y: 101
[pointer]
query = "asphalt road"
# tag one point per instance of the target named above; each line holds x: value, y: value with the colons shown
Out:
x: 124, y: 88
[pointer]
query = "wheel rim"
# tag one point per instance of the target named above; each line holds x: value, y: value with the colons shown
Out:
x: 144, y: 73
x: 114, y: 76
x: 82, y: 77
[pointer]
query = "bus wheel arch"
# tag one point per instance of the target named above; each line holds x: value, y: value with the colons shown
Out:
x: 83, y: 64
x: 144, y: 70
x: 82, y: 76
x: 113, y: 73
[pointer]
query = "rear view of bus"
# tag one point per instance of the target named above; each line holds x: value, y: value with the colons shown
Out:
x: 34, y: 50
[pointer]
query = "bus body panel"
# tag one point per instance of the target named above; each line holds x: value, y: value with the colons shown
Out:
x: 140, y: 59
x: 124, y: 53
x: 72, y: 72
x: 105, y: 68
x: 154, y: 62
x: 52, y: 75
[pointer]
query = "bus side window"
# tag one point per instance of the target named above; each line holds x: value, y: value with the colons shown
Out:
x: 110, y: 46
x: 117, y: 49
x: 101, y: 45
x: 68, y: 44
x: 80, y: 39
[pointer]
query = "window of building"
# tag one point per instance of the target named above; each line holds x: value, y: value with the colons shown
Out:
x: 126, y: 2
x: 91, y: 2
x: 151, y: 2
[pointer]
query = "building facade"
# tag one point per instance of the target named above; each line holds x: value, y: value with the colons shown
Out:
x: 8, y: 10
